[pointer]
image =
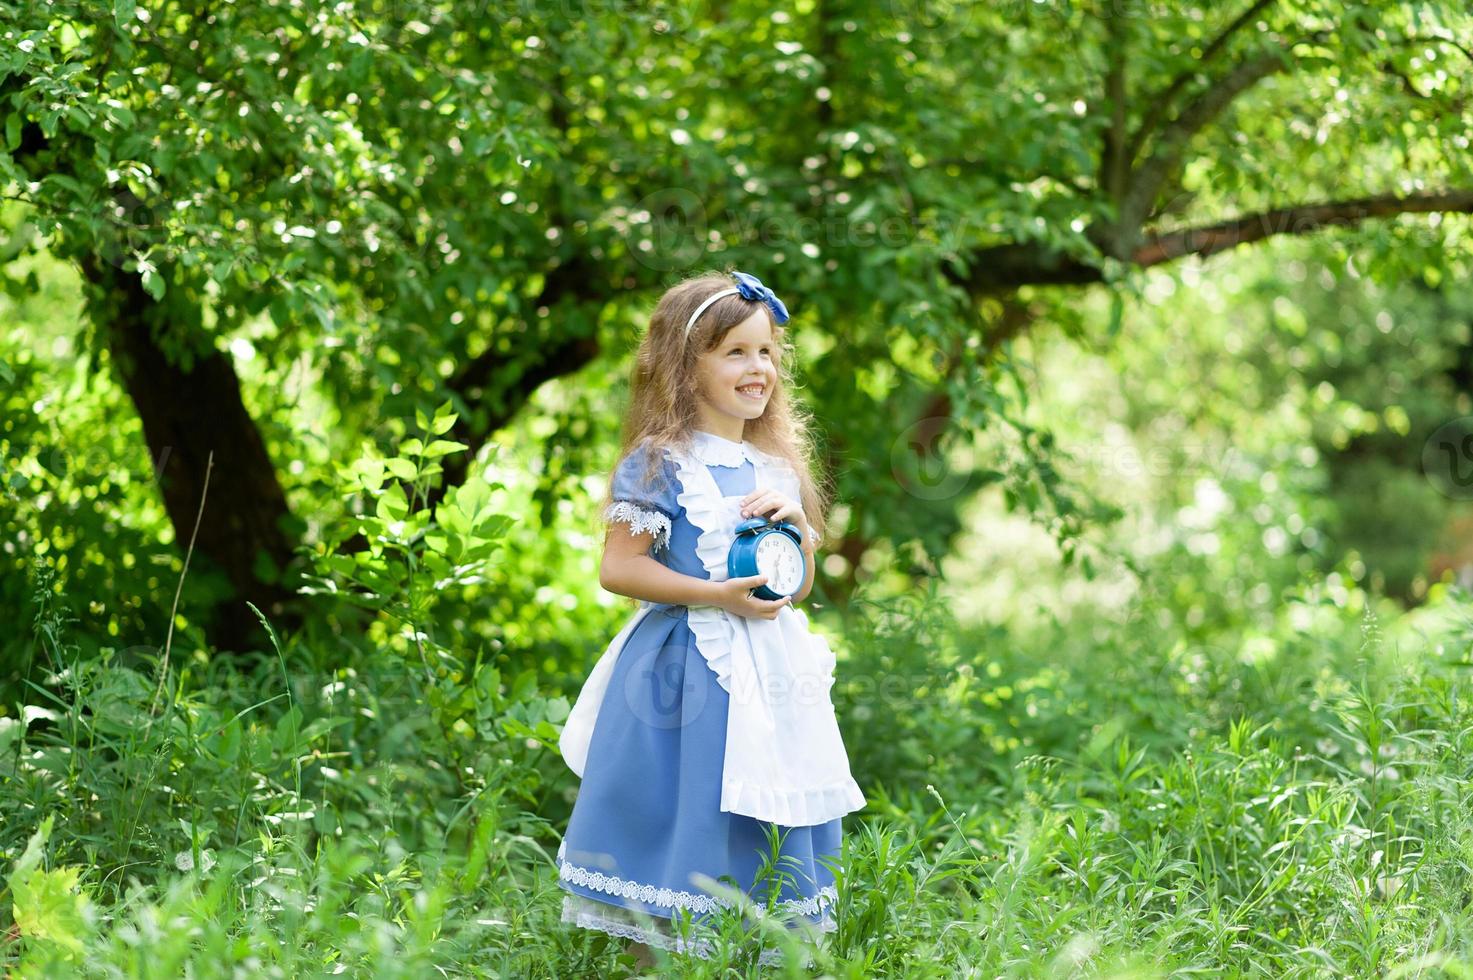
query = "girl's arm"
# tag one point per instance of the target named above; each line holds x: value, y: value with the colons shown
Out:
x: 810, y: 549
x: 628, y: 570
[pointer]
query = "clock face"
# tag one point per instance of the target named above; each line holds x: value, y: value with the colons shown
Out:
x: 781, y: 560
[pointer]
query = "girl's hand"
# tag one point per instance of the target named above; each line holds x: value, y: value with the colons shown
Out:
x: 775, y: 506
x: 735, y: 596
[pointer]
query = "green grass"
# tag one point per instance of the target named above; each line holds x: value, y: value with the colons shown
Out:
x: 1304, y: 817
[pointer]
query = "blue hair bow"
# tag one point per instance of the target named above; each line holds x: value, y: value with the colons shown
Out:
x: 750, y: 287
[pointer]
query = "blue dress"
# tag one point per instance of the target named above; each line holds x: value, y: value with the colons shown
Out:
x: 647, y: 816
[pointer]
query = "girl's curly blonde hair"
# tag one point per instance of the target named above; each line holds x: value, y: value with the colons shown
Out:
x: 664, y: 388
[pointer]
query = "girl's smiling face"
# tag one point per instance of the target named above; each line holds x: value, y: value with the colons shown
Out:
x: 737, y: 377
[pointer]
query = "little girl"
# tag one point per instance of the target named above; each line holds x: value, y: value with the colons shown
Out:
x: 708, y: 720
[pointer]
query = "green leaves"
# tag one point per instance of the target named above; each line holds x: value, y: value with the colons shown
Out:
x: 50, y: 909
x: 392, y: 505
x: 442, y: 423
x: 153, y: 283
x: 414, y: 554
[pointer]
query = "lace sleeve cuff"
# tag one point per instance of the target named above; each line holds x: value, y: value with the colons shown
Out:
x: 641, y: 519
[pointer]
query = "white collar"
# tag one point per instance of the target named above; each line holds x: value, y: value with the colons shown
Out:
x: 714, y: 450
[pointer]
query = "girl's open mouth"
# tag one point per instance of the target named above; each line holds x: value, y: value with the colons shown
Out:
x: 754, y: 392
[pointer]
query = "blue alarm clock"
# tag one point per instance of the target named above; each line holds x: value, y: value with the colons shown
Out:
x: 764, y: 548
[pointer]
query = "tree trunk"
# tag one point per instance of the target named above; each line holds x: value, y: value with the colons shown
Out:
x: 190, y: 408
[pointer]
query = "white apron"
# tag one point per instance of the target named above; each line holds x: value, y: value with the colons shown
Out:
x: 785, y: 760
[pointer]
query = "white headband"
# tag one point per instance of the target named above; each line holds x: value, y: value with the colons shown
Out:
x: 709, y: 300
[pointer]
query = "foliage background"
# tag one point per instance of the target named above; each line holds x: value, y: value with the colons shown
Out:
x: 1150, y: 584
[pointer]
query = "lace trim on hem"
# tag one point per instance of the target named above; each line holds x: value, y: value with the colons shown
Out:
x: 581, y: 914
x: 669, y: 898
x: 641, y: 519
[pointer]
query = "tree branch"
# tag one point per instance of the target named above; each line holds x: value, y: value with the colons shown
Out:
x: 1453, y: 105
x: 1413, y: 39
x: 1158, y: 105
x: 1114, y: 162
x: 1147, y: 179
x: 1408, y: 86
x: 574, y: 280
x: 1298, y: 220
x: 1003, y: 268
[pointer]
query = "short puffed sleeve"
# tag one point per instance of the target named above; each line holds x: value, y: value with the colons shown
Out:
x: 644, y: 504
